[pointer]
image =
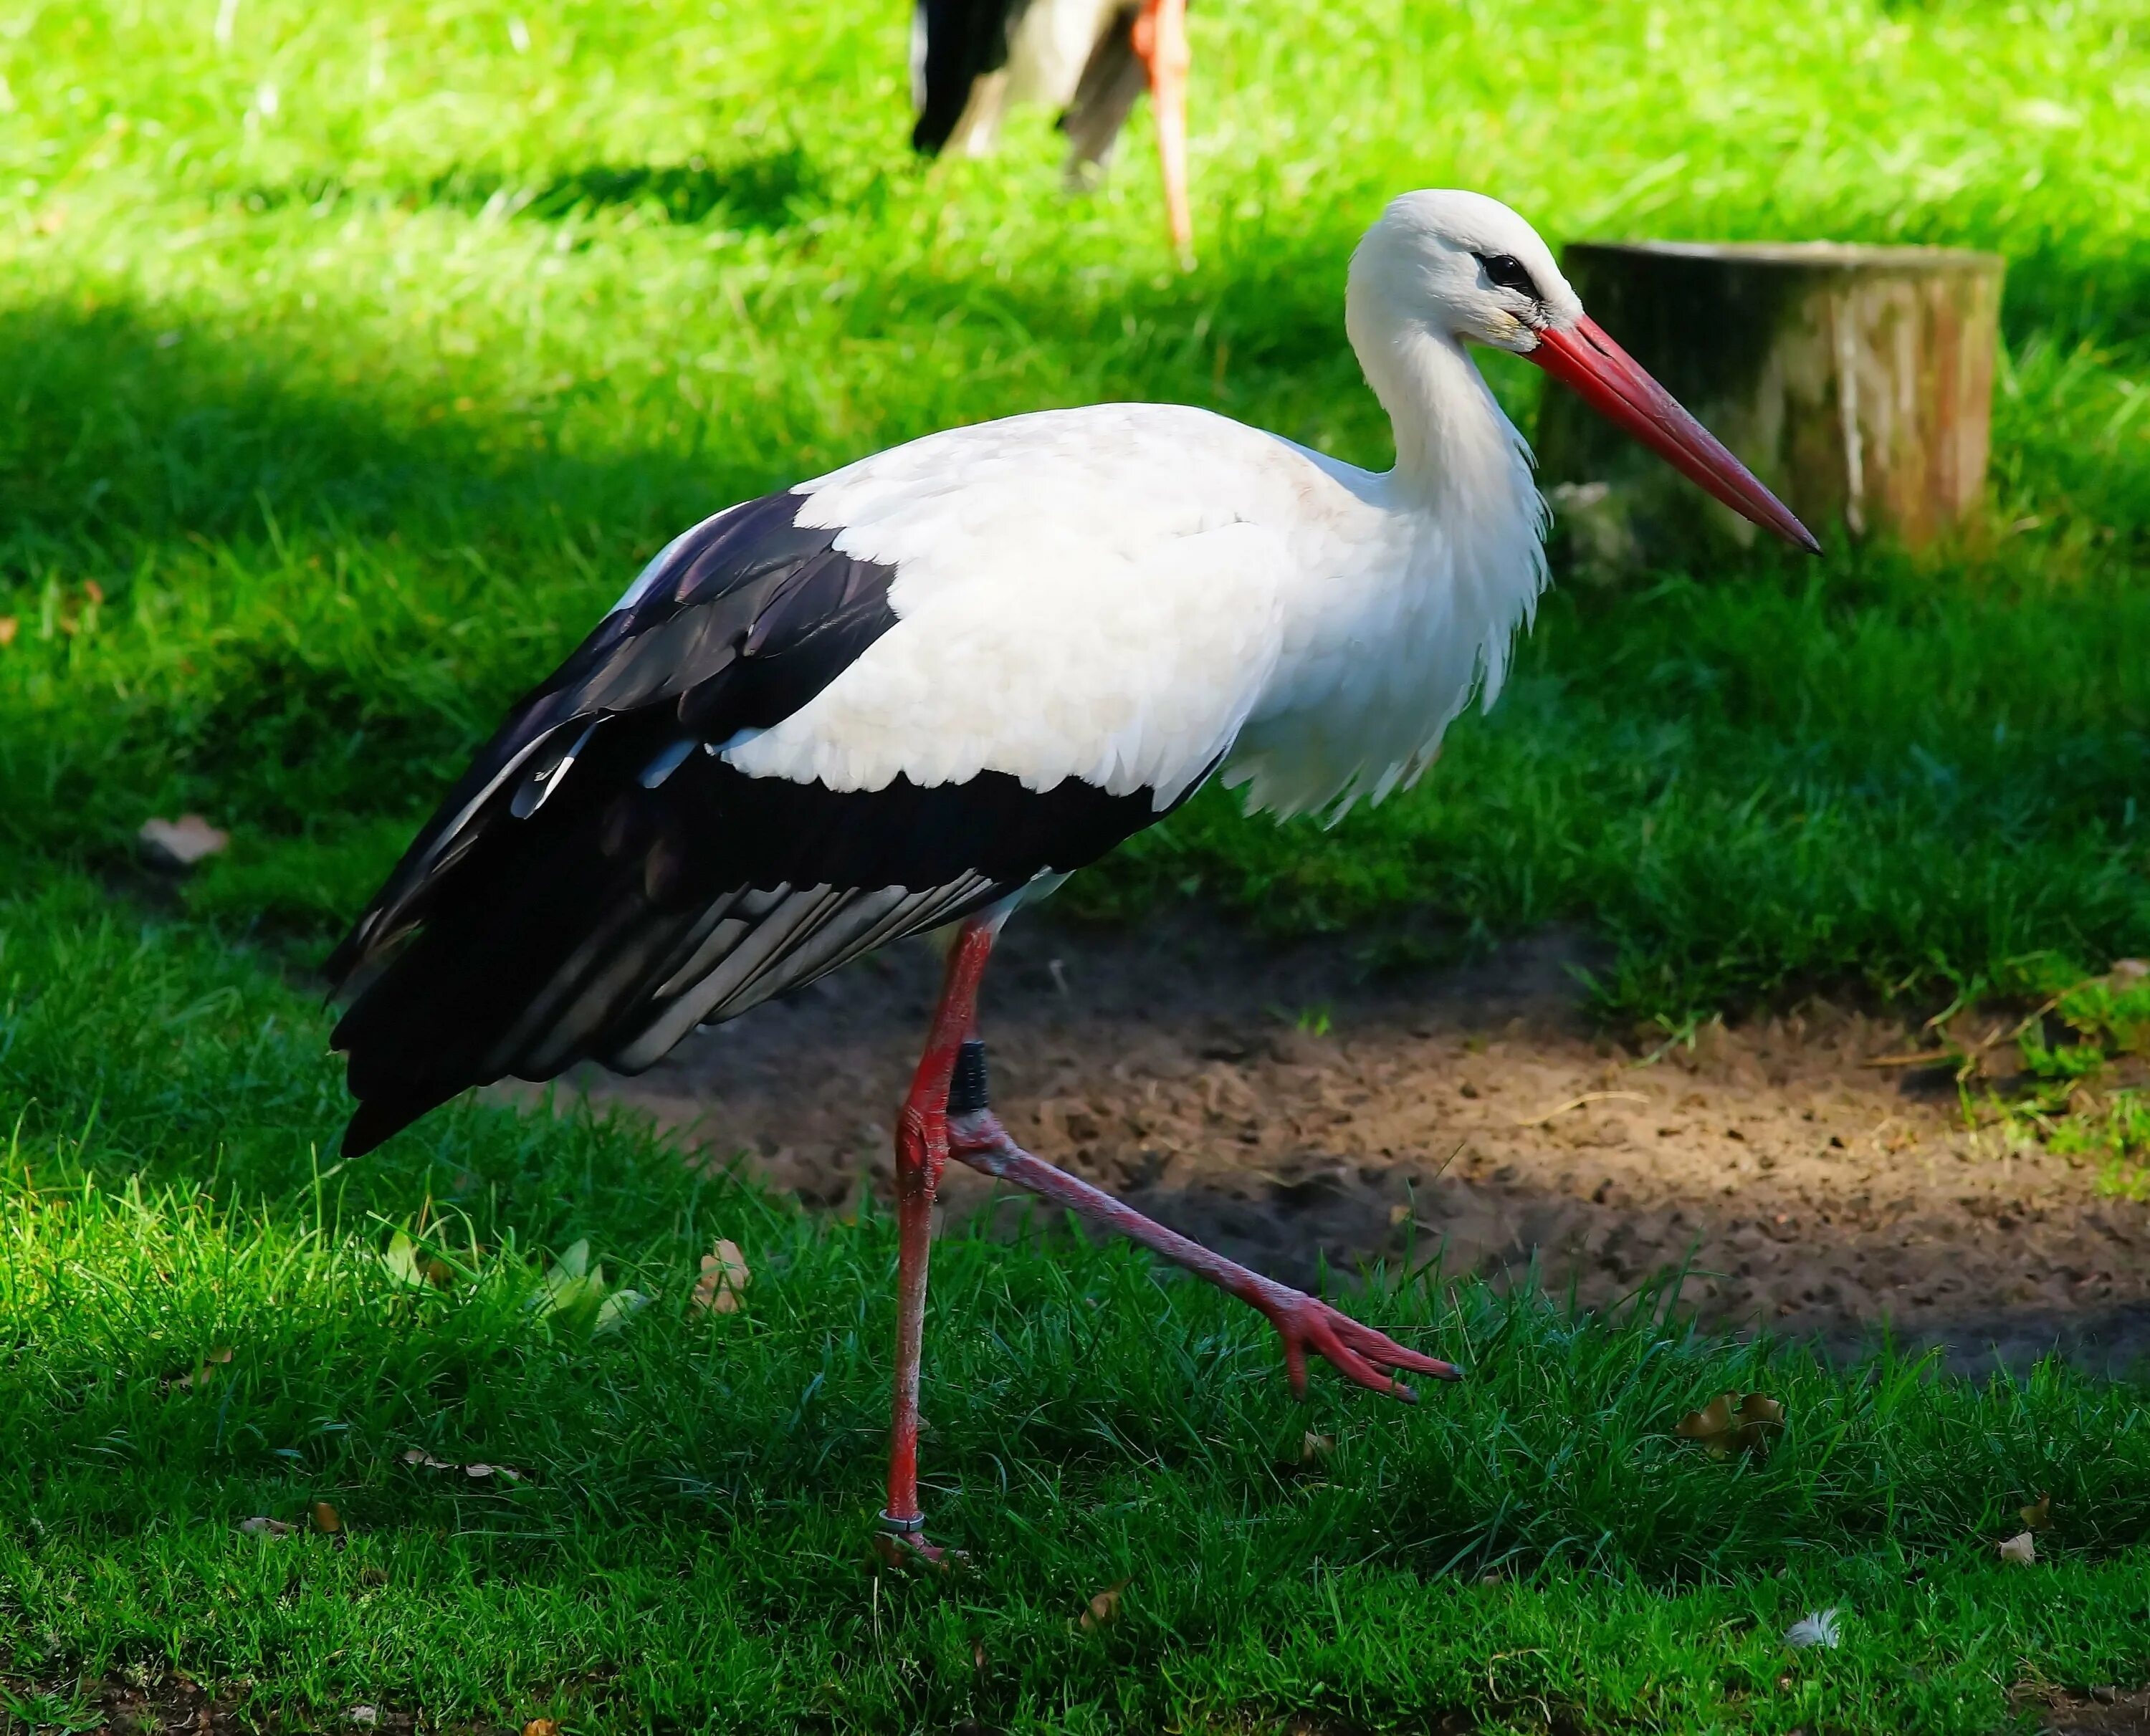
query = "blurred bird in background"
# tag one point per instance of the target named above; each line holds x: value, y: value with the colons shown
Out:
x: 970, y: 60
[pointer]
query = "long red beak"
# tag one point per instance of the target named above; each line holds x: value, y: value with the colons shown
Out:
x: 1613, y: 382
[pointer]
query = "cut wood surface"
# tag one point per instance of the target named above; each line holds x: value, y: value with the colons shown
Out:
x: 1857, y: 381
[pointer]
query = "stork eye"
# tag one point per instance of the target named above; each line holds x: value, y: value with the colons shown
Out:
x: 1507, y: 272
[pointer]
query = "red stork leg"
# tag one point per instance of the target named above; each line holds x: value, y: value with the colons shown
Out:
x: 921, y: 1152
x: 1303, y: 1322
x: 946, y: 1115
x: 1160, y: 41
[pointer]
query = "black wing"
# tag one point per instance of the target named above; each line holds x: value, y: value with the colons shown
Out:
x: 1113, y: 78
x: 600, y: 881
x: 962, y: 40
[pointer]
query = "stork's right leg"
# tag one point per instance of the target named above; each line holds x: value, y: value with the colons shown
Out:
x: 921, y: 1152
x: 1303, y: 1322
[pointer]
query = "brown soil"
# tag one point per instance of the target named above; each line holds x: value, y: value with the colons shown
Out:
x: 2097, y: 1711
x: 1270, y: 1101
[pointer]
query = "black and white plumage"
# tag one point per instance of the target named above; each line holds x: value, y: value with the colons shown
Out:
x: 603, y: 880
x: 912, y: 689
x: 907, y: 694
x: 1090, y: 60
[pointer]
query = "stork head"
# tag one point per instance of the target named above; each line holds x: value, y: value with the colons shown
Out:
x: 1464, y: 267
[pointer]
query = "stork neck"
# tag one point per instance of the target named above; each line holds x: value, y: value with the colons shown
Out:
x: 1453, y: 444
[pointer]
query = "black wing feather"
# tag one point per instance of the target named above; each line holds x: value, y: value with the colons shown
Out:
x: 1113, y: 78
x: 965, y: 39
x: 733, y: 631
x: 601, y: 880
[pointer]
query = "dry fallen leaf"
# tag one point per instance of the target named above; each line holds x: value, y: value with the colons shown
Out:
x: 2021, y: 1548
x: 2039, y: 1515
x: 177, y: 845
x: 1313, y: 1448
x: 10, y: 627
x: 724, y: 1277
x: 326, y: 1519
x: 368, y: 1715
x: 1105, y: 1607
x: 262, y: 1525
x: 541, y: 1727
x: 1727, y: 1424
x: 424, y: 1461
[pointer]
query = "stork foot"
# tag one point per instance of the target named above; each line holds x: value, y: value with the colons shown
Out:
x: 1355, y: 1350
x: 902, y: 1544
x: 975, y: 1137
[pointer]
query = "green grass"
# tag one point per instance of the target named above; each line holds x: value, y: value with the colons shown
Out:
x: 686, y: 1545
x: 350, y: 361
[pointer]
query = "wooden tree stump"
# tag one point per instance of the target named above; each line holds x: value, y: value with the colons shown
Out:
x: 1857, y: 382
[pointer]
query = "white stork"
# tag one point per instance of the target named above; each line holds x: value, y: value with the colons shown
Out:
x: 969, y: 59
x: 917, y: 691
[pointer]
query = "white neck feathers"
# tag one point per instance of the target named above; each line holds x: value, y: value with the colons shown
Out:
x: 1455, y: 449
x: 1426, y: 613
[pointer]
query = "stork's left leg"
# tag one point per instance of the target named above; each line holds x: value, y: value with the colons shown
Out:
x: 921, y: 1152
x: 1160, y: 40
x: 1303, y: 1322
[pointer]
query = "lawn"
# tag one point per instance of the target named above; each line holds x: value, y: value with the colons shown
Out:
x: 353, y: 358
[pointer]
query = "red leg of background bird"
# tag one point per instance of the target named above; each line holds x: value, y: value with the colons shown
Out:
x: 921, y: 1151
x: 1160, y: 40
x: 1303, y: 1322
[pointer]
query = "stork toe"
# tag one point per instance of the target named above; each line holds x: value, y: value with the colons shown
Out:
x: 1354, y: 1349
x: 910, y: 1549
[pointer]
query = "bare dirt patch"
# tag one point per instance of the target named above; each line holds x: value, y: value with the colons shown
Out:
x: 1272, y: 1101
x: 2094, y: 1712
